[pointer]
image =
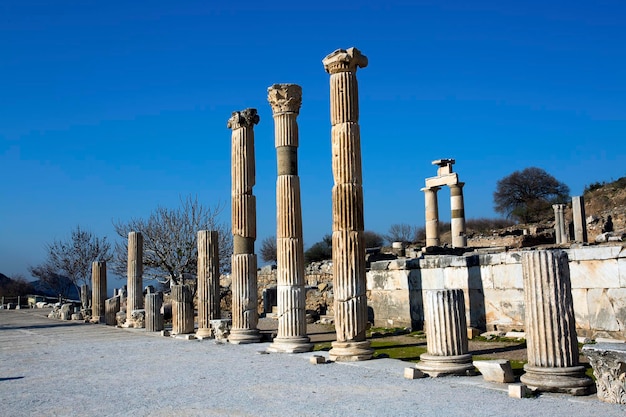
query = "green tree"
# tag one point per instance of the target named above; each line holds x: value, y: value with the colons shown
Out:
x: 528, y: 195
x: 373, y: 239
x: 320, y: 251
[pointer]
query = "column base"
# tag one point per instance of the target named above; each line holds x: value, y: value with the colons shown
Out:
x: 204, y: 333
x: 569, y: 380
x: 290, y: 345
x: 351, y: 351
x: 243, y: 336
x: 436, y: 366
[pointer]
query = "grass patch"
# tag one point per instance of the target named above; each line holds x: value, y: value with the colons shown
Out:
x: 394, y: 350
x: 326, y: 346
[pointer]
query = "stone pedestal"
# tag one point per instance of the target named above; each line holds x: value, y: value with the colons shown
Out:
x: 154, y: 318
x: 457, y: 220
x: 99, y: 290
x: 208, y: 281
x: 349, y: 284
x: 432, y: 216
x: 111, y: 308
x: 608, y: 361
x: 134, y: 300
x: 446, y: 335
x: 580, y: 219
x: 559, y: 223
x: 551, y: 340
x: 245, y: 315
x: 182, y: 310
x: 285, y: 100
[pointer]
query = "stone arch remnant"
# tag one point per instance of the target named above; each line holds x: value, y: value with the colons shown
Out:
x: 445, y: 176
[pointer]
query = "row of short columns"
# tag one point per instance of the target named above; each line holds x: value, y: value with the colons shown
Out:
x: 457, y: 221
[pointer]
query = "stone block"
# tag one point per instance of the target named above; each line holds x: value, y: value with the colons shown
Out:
x: 594, y: 274
x: 455, y: 278
x: 498, y: 370
x: 165, y: 333
x: 413, y: 373
x: 519, y: 391
x: 317, y: 359
x: 473, y: 332
x: 594, y: 253
x: 433, y: 279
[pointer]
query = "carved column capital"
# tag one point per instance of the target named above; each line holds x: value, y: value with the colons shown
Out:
x: 244, y: 118
x: 285, y: 98
x: 344, y: 60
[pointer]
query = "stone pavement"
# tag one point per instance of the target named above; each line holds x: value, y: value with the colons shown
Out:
x: 58, y: 368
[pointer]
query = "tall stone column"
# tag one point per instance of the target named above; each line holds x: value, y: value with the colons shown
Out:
x: 580, y: 219
x: 348, y: 248
x: 98, y: 290
x: 244, y: 263
x: 183, y: 311
x: 432, y: 216
x: 285, y: 100
x: 559, y: 223
x: 552, y: 345
x: 457, y: 222
x: 154, y: 318
x: 208, y: 281
x: 446, y: 334
x: 134, y: 300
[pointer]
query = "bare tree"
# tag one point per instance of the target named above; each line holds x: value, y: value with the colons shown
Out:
x: 269, y: 251
x: 401, y: 232
x: 72, y: 259
x: 170, y: 248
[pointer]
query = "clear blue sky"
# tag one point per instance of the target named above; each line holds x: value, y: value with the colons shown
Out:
x: 110, y: 108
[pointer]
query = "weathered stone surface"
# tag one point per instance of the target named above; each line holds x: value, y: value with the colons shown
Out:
x: 208, y: 281
x: 608, y: 361
x: 111, y: 308
x: 99, y: 290
x: 134, y: 300
x: 220, y: 328
x: 497, y: 370
x: 154, y: 318
x: 182, y: 310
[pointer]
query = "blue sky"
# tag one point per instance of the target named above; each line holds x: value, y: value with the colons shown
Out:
x: 108, y: 109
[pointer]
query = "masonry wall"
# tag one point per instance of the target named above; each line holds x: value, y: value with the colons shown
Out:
x: 493, y: 287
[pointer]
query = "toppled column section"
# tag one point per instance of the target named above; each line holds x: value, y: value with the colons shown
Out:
x: 348, y: 248
x: 154, y: 318
x: 552, y: 345
x: 134, y: 300
x: 245, y: 316
x: 285, y: 100
x: 446, y: 335
x: 111, y: 308
x: 99, y: 290
x: 208, y: 281
x: 182, y: 310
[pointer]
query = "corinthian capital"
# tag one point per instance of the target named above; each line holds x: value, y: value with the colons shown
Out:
x: 244, y: 118
x: 343, y: 60
x: 285, y: 98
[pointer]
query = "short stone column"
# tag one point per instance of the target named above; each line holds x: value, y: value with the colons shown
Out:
x: 559, y: 223
x: 134, y: 300
x: 85, y: 296
x: 432, y: 216
x: 348, y: 248
x: 245, y: 316
x: 608, y: 361
x: 580, y: 219
x: 457, y: 220
x: 98, y: 290
x: 111, y: 308
x: 285, y: 100
x: 183, y: 311
x: 552, y: 345
x: 154, y: 318
x: 208, y: 282
x: 446, y: 335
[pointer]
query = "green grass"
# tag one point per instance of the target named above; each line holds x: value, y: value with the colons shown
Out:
x: 394, y: 350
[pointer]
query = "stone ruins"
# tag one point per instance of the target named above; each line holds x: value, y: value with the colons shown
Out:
x: 559, y: 293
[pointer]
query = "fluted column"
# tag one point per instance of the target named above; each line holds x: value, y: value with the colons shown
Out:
x: 154, y: 318
x: 580, y: 219
x: 98, y: 290
x: 457, y: 222
x: 285, y: 100
x: 111, y: 308
x: 208, y: 281
x: 559, y: 223
x: 182, y: 310
x: 446, y: 334
x: 134, y: 301
x: 245, y: 315
x: 552, y: 345
x: 348, y: 248
x: 432, y: 216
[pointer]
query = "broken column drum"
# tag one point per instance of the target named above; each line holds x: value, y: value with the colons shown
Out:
x: 245, y: 315
x: 349, y: 283
x: 446, y: 334
x: 111, y: 308
x: 552, y: 345
x: 85, y: 295
x: 285, y: 100
x: 182, y: 310
x: 134, y: 300
x: 208, y: 281
x: 154, y: 318
x: 98, y: 290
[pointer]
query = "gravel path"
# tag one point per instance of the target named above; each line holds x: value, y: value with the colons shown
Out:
x: 54, y: 368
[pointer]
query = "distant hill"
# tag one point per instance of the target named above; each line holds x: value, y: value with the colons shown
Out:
x: 12, y: 288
